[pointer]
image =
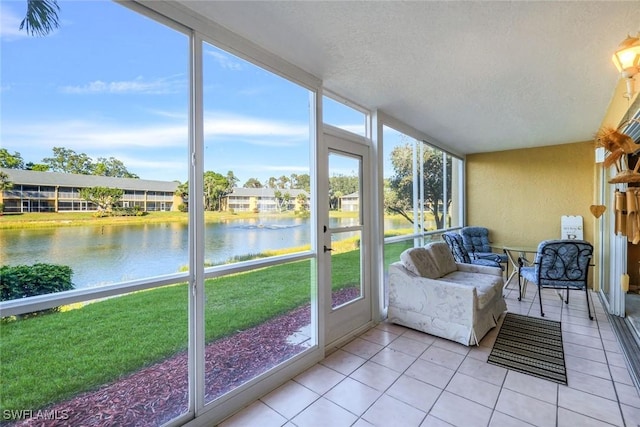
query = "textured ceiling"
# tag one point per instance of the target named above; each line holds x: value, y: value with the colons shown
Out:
x: 474, y: 76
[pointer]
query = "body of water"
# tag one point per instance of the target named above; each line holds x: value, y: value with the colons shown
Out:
x: 101, y: 255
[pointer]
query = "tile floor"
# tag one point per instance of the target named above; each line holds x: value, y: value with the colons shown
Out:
x: 395, y: 376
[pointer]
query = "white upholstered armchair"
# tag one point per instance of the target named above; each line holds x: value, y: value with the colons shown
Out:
x: 430, y: 292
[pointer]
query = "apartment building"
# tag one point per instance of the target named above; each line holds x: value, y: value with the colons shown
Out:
x: 35, y: 191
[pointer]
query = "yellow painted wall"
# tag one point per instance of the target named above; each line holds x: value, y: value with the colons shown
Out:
x: 520, y: 195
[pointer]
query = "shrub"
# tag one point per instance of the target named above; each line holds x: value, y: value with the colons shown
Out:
x: 130, y: 211
x: 21, y: 281
x: 182, y: 207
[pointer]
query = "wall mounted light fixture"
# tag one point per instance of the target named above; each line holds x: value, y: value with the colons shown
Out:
x: 627, y: 60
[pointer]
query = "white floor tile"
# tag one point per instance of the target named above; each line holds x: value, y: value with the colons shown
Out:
x: 379, y: 336
x: 443, y: 357
x: 343, y: 361
x: 430, y: 373
x: 353, y: 395
x: 525, y: 408
x: 498, y: 419
x: 409, y: 345
x: 590, y: 384
x: 323, y: 413
x: 474, y: 389
x: 483, y: 371
x: 528, y: 385
x: 319, y: 378
x: 592, y: 406
x: 290, y: 399
x: 568, y: 418
x: 374, y: 375
x: 395, y: 376
x: 461, y: 412
x: 628, y: 395
x: 393, y: 359
x: 363, y: 348
x: 631, y: 415
x: 255, y: 415
x: 388, y: 411
x: 415, y: 392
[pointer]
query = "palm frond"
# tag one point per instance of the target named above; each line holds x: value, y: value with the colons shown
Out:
x: 41, y: 17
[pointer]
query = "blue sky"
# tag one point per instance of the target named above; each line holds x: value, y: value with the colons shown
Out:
x: 113, y: 83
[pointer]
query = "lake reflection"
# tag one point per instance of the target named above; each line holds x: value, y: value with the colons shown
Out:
x: 101, y: 255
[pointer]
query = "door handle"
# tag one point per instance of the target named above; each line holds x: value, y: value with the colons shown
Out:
x: 326, y: 249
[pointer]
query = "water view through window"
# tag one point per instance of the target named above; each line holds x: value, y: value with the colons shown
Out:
x: 94, y: 144
x: 177, y: 204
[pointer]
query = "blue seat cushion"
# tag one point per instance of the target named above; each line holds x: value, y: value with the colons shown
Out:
x: 487, y: 262
x: 529, y: 273
x: 491, y: 255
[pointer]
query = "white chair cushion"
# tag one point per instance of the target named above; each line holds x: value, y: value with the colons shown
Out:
x: 432, y: 261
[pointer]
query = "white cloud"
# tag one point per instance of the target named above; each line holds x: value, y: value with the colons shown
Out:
x: 156, y: 150
x: 225, y: 61
x: 79, y: 134
x: 159, y: 86
x: 255, y: 131
x: 10, y: 24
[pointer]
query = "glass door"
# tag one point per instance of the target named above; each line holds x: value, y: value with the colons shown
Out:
x: 345, y: 243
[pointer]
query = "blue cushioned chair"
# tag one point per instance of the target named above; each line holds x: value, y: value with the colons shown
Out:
x: 476, y: 242
x: 559, y: 264
x: 460, y: 254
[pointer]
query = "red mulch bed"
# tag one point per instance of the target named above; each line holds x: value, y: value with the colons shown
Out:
x: 156, y: 394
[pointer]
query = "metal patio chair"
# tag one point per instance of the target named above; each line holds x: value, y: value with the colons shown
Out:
x: 559, y: 264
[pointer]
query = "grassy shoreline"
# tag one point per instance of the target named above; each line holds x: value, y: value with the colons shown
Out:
x: 71, y: 219
x: 10, y: 221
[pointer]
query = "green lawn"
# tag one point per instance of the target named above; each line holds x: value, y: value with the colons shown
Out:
x: 53, y: 357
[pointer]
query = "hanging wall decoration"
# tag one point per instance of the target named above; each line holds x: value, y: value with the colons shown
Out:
x: 617, y: 146
x: 597, y: 210
x: 628, y: 214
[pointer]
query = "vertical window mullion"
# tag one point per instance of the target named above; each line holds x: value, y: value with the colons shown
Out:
x: 416, y: 189
x: 445, y: 190
x: 196, y: 228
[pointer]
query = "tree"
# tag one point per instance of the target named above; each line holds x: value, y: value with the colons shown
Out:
x: 286, y: 199
x: 215, y: 186
x: 183, y: 190
x: 302, y: 201
x: 39, y: 167
x: 400, y: 185
x: 233, y: 180
x: 41, y: 17
x: 271, y: 183
x: 112, y: 167
x: 10, y: 161
x: 282, y: 199
x: 301, y: 182
x: 252, y: 183
x: 341, y: 185
x: 105, y: 198
x: 283, y: 182
x: 5, y: 184
x: 68, y: 161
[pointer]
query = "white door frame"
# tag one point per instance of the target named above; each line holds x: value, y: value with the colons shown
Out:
x: 345, y: 321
